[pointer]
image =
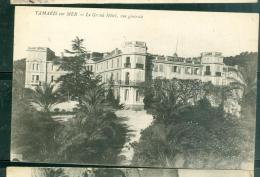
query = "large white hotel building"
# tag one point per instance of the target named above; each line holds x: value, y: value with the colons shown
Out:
x: 132, y: 65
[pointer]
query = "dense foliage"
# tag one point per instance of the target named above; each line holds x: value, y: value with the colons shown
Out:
x: 95, y: 132
x: 188, y: 130
x: 33, y: 133
x: 19, y: 78
x: 94, y: 135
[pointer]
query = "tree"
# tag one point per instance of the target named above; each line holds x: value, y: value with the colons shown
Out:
x: 77, y: 47
x: 95, y: 131
x: 247, y: 65
x: 44, y: 97
x: 186, y: 126
x: 169, y: 97
x: 77, y: 79
x: 33, y: 133
x: 110, y: 97
x: 33, y: 129
x: 18, y: 78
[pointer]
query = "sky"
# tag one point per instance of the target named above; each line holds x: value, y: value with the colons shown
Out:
x: 196, y: 32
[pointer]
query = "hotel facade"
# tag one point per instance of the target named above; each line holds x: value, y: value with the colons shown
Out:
x: 131, y: 66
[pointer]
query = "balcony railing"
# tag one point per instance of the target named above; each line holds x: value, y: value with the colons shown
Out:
x: 127, y: 65
x: 35, y: 82
x: 218, y: 74
x: 207, y: 73
x: 139, y: 66
x: 128, y: 83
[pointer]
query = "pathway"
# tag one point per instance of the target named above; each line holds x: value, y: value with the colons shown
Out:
x: 137, y: 121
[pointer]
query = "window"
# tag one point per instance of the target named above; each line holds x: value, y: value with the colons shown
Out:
x: 127, y: 59
x: 218, y: 74
x: 118, y: 62
x: 52, y: 67
x: 174, y: 69
x: 107, y: 64
x: 140, y: 62
x: 52, y: 78
x: 188, y: 70
x: 35, y: 78
x: 127, y: 78
x: 35, y: 66
x: 112, y: 64
x: 117, y: 76
x: 139, y: 66
x: 196, y: 71
x: 161, y: 68
x: 137, y: 96
x: 207, y: 72
x: 127, y: 63
x: 126, y: 94
x: 91, y: 68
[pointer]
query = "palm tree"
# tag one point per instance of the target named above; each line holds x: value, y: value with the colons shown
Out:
x: 44, y: 97
x: 95, y: 131
x: 93, y: 102
x: 77, y: 47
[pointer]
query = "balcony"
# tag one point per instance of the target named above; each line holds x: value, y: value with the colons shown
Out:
x: 127, y: 65
x: 207, y: 73
x: 128, y: 83
x: 139, y: 66
x: 218, y: 74
x: 35, y: 82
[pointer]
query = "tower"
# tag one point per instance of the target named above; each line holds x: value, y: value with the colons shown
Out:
x: 212, y: 67
x: 133, y: 72
x: 38, y: 62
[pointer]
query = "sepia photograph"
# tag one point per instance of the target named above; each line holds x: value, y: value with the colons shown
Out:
x: 140, y: 88
x: 121, y: 172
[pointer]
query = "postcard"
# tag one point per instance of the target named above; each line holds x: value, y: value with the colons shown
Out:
x: 170, y: 89
x: 121, y: 172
